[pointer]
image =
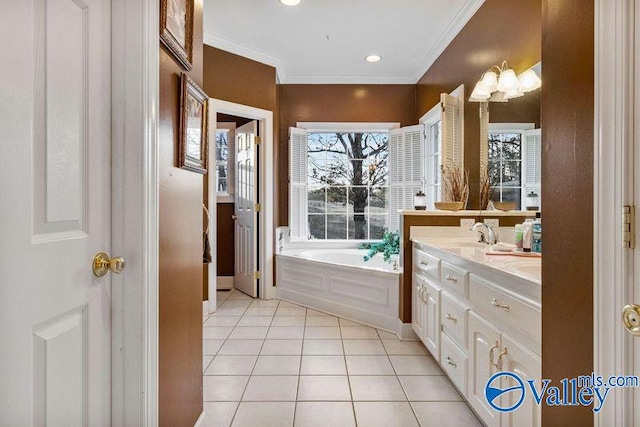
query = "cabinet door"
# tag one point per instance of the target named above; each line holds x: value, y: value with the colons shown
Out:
x: 484, y: 344
x: 526, y: 364
x: 431, y: 325
x: 417, y: 306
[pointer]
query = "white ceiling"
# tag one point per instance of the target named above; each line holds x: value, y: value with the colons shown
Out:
x: 326, y: 41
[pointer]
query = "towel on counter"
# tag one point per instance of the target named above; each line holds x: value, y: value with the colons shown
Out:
x: 206, y: 256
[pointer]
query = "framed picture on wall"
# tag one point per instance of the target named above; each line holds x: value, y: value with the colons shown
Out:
x: 176, y: 29
x: 193, y: 145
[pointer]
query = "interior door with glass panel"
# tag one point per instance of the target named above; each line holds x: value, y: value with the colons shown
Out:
x: 246, y: 202
x: 55, y: 170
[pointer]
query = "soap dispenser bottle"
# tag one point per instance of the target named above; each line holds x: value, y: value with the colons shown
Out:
x: 536, y: 234
x: 526, y: 237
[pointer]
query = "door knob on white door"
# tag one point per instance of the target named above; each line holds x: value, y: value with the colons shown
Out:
x: 103, y: 264
x: 631, y: 318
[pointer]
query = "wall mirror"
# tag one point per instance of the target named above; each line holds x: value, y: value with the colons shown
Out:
x: 511, y: 152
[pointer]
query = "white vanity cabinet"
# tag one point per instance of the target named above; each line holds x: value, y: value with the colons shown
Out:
x: 475, y: 323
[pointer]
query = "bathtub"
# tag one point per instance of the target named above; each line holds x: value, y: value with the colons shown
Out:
x: 340, y: 282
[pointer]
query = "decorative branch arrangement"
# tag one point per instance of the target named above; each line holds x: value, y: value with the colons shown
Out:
x: 456, y: 183
x: 486, y: 190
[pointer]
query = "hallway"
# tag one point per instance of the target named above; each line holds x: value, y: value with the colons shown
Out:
x: 273, y: 363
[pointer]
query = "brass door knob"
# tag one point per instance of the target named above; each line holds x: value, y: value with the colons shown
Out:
x: 631, y: 318
x: 103, y: 264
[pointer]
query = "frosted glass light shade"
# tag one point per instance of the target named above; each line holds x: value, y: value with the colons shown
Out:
x: 529, y: 81
x: 480, y: 93
x: 508, y: 81
x: 514, y: 93
x: 290, y: 2
x: 490, y: 81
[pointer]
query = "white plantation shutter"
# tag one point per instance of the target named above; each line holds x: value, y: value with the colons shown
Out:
x: 531, y: 162
x: 298, y: 184
x: 405, y: 170
x: 452, y: 144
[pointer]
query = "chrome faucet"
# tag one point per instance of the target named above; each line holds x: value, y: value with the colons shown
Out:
x: 488, y: 235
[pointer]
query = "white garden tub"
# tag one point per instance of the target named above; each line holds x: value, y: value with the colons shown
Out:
x: 340, y: 282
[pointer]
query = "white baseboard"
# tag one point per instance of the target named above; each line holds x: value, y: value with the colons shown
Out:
x: 406, y: 331
x: 225, y: 282
x: 205, y: 307
x: 200, y: 421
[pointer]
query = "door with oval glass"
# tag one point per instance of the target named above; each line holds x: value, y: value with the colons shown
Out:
x: 246, y: 209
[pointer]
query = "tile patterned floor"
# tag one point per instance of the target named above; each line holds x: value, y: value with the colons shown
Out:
x: 273, y: 363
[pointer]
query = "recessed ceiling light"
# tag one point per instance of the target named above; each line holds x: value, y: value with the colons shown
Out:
x: 290, y: 2
x: 373, y: 58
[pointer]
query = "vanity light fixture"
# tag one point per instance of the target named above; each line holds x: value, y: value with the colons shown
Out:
x: 290, y: 2
x: 373, y: 58
x: 500, y: 83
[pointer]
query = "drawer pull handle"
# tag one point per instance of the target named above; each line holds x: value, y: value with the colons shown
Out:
x: 451, y: 278
x: 451, y: 362
x: 423, y: 262
x: 491, y: 356
x: 496, y: 304
x: 452, y: 318
x: 500, y: 356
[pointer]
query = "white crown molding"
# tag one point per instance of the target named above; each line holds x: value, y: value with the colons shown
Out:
x: 245, y: 52
x: 457, y: 24
x: 347, y: 79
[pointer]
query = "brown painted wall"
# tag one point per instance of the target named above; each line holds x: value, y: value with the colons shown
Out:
x: 243, y: 81
x: 567, y: 198
x: 337, y: 103
x: 501, y: 29
x: 180, y: 335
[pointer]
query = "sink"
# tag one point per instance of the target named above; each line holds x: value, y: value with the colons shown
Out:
x: 462, y: 243
x: 529, y: 268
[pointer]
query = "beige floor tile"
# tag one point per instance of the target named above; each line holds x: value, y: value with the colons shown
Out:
x: 285, y: 333
x: 323, y: 414
x: 322, y: 332
x: 277, y: 365
x: 384, y: 414
x: 405, y: 348
x: 211, y: 347
x: 457, y: 414
x: 272, y: 389
x: 290, y: 311
x: 264, y: 414
x: 265, y: 303
x: 223, y: 388
x: 323, y: 365
x: 359, y: 333
x: 384, y: 335
x: 378, y: 388
x: 222, y: 321
x: 324, y: 387
x: 241, y: 347
x: 282, y: 347
x: 255, y: 321
x: 415, y: 365
x: 248, y: 333
x: 216, y: 332
x: 363, y: 347
x: 311, y: 312
x: 369, y: 365
x: 288, y: 321
x: 261, y: 311
x: 231, y: 365
x: 218, y: 414
x: 321, y: 321
x: 348, y: 323
x: 230, y: 311
x: 205, y: 362
x: 322, y: 347
x: 428, y: 388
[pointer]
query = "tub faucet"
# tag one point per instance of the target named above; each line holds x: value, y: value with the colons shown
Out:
x: 487, y: 236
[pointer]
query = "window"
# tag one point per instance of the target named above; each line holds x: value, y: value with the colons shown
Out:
x: 347, y: 185
x: 505, y: 166
x: 225, y: 143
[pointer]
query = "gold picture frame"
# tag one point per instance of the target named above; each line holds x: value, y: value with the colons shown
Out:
x: 176, y: 29
x: 194, y: 136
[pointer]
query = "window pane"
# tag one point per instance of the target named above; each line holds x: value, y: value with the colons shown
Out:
x: 435, y: 137
x: 316, y: 200
x: 511, y: 194
x: 377, y: 169
x: 337, y: 227
x: 317, y: 226
x: 337, y: 200
x: 378, y: 200
x: 511, y: 173
x: 222, y: 145
x: 375, y: 144
x: 317, y: 168
x: 358, y: 229
x: 377, y: 226
x: 222, y: 185
x: 358, y: 200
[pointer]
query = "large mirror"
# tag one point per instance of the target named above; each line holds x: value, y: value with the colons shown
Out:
x: 511, y: 152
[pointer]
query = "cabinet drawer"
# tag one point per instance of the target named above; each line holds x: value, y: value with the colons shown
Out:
x: 453, y: 318
x: 426, y: 264
x: 454, y: 278
x: 454, y: 362
x: 505, y: 310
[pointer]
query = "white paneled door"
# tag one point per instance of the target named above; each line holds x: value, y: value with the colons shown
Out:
x: 246, y: 199
x: 55, y: 212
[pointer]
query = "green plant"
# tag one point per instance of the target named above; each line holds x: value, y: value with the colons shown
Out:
x: 390, y: 245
